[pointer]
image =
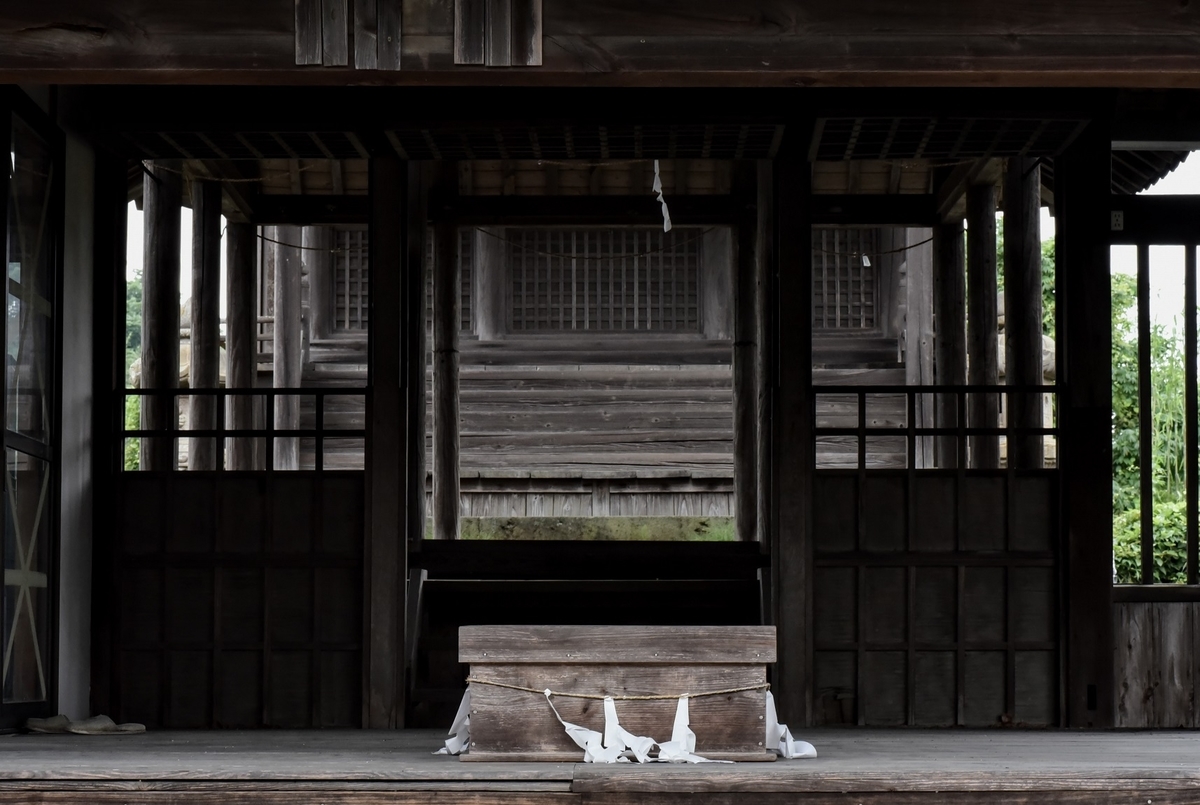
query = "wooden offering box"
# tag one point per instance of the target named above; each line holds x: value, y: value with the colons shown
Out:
x: 508, y: 724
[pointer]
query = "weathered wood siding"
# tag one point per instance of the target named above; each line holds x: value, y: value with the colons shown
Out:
x: 973, y: 42
x: 1157, y: 654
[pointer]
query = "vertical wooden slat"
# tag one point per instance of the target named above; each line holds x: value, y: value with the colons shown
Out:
x: 745, y: 348
x: 366, y: 27
x: 792, y: 440
x: 308, y: 31
x: 981, y: 321
x: 526, y: 33
x: 388, y: 39
x: 385, y: 559
x: 470, y: 31
x: 764, y: 245
x: 335, y: 41
x: 362, y: 281
x: 1023, y: 306
x: 161, y: 193
x: 446, y: 300
x: 1145, y: 415
x: 498, y: 45
x: 286, y: 349
x: 950, y: 363
x: 241, y: 330
x: 415, y: 351
x: 204, y: 369
x: 1190, y: 395
x: 318, y: 263
x: 1082, y: 176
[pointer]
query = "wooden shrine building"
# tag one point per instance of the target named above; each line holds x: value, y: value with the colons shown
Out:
x: 575, y: 313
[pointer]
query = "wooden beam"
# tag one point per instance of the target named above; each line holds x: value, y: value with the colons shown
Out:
x: 555, y: 210
x: 446, y: 303
x: 982, y: 338
x: 1150, y: 218
x: 745, y: 349
x: 873, y: 210
x: 318, y: 264
x: 416, y: 348
x: 950, y: 317
x: 287, y: 345
x: 951, y: 191
x: 918, y: 331
x: 162, y: 200
x: 296, y: 209
x: 792, y: 447
x: 1082, y: 177
x: 1023, y: 305
x: 241, y: 342
x: 204, y: 370
x: 386, y: 559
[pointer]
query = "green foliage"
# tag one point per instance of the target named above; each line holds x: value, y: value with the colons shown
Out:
x: 1168, y: 419
x: 133, y: 418
x: 133, y: 321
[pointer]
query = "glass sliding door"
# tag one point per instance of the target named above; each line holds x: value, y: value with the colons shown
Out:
x: 32, y: 215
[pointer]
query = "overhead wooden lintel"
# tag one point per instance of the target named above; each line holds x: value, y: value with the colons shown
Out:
x: 881, y: 210
x: 951, y: 194
x: 289, y: 209
x: 551, y: 210
x: 1150, y: 219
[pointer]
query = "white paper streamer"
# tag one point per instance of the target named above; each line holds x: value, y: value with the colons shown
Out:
x: 460, y: 730
x: 658, y: 189
x: 611, y: 746
x: 779, y: 737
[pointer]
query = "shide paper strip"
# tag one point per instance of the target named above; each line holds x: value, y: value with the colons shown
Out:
x: 658, y: 190
x: 779, y: 737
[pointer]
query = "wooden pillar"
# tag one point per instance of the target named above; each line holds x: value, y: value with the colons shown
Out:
x: 446, y: 302
x: 385, y: 553
x: 764, y: 248
x: 1023, y: 305
x: 792, y: 445
x: 982, y: 339
x: 161, y: 194
x: 716, y: 281
x: 918, y: 333
x: 416, y: 345
x: 287, y: 346
x: 108, y: 412
x: 1082, y: 177
x: 241, y: 337
x: 950, y: 314
x: 318, y: 265
x: 204, y: 370
x: 490, y: 287
x: 745, y: 349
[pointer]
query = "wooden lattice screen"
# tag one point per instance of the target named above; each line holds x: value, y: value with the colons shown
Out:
x: 604, y: 279
x: 350, y: 280
x: 844, y: 290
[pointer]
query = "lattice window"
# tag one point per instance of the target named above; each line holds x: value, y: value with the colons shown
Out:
x: 352, y: 308
x: 604, y: 279
x: 844, y: 290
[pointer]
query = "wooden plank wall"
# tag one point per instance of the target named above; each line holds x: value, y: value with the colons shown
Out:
x: 1157, y: 664
x: 238, y: 600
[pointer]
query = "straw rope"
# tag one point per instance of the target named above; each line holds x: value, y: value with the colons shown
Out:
x: 624, y: 697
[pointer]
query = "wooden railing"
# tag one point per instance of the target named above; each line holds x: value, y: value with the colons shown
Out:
x: 260, y: 446
x: 844, y: 413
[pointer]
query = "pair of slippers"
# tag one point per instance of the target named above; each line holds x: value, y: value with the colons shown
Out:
x: 96, y: 725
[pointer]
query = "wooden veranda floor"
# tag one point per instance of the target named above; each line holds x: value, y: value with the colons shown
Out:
x: 871, y: 767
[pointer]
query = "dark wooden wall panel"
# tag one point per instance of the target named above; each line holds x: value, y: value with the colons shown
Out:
x: 250, y: 615
x: 1157, y: 658
x: 925, y: 616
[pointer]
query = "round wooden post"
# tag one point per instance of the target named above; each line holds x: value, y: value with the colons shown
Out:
x: 1023, y: 305
x: 204, y: 370
x: 446, y: 303
x: 950, y: 363
x: 241, y: 337
x: 287, y: 343
x: 318, y: 265
x: 984, y: 409
x: 162, y: 195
